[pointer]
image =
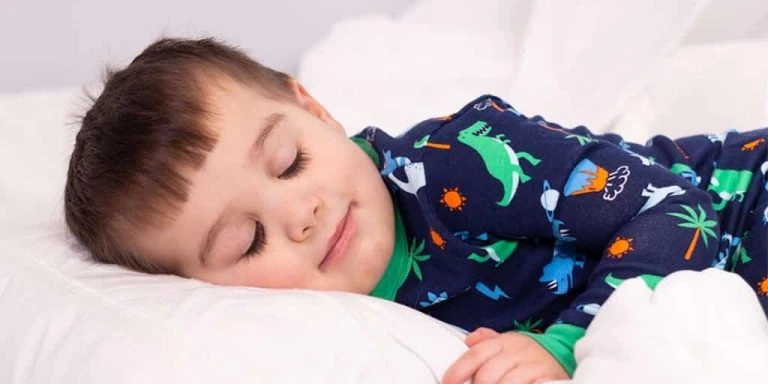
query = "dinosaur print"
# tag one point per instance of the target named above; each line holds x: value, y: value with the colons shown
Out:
x: 464, y: 235
x: 644, y: 160
x: 719, y: 137
x: 437, y: 240
x: 558, y: 274
x: 729, y: 185
x: 752, y: 144
x: 764, y: 171
x: 501, y: 161
x: 733, y: 250
x: 657, y: 195
x: 581, y: 139
x: 416, y: 178
x: 391, y: 164
x: 765, y: 216
x: 499, y: 252
x: 686, y: 172
x: 433, y: 299
x: 483, y: 105
x: 589, y: 309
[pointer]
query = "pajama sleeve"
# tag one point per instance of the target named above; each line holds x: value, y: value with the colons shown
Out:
x: 595, y: 199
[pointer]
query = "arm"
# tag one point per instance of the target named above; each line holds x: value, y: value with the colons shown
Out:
x: 597, y: 198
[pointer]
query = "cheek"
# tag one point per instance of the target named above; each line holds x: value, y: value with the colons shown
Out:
x: 273, y: 274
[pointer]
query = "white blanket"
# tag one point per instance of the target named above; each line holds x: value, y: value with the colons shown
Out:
x: 696, y: 327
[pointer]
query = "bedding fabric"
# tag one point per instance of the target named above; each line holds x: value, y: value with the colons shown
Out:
x: 67, y: 320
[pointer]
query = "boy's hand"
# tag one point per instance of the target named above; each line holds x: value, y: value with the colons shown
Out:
x: 503, y: 358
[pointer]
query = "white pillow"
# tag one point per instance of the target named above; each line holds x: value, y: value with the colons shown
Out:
x: 66, y: 319
x: 701, y: 89
x: 36, y: 136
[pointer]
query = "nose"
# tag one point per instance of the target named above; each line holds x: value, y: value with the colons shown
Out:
x: 302, y: 218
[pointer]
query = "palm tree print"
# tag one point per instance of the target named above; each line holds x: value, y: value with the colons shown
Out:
x: 415, y: 256
x: 528, y: 326
x: 702, y: 227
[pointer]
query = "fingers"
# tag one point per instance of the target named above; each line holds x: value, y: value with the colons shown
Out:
x: 525, y: 374
x: 479, y: 335
x: 466, y: 366
x: 494, y: 369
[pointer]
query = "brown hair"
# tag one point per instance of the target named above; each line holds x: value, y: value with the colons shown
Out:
x: 147, y: 126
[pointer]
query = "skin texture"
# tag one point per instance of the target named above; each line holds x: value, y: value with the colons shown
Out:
x: 503, y: 358
x: 241, y: 183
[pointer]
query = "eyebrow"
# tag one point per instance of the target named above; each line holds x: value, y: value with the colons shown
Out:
x: 267, y: 126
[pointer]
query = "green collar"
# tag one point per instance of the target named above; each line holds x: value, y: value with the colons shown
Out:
x: 398, y: 267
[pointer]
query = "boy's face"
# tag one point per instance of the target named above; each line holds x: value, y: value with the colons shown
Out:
x: 284, y: 200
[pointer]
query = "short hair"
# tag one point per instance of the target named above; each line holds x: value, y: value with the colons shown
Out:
x: 146, y: 127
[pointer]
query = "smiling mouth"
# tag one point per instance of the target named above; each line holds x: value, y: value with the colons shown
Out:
x: 339, y: 241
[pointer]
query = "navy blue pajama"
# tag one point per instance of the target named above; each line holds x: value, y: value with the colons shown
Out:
x: 516, y: 223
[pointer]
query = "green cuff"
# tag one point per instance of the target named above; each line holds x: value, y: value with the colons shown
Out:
x: 559, y: 340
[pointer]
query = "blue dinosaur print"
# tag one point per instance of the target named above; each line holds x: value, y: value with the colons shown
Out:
x: 464, y: 235
x: 722, y: 257
x: 558, y: 274
x: 765, y: 216
x: 434, y: 299
x: 391, y: 164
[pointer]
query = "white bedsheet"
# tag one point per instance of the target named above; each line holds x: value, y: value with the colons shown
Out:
x: 68, y: 320
x: 65, y: 319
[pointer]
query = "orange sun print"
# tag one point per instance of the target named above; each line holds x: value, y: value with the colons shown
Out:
x: 762, y: 287
x: 453, y: 199
x: 620, y: 247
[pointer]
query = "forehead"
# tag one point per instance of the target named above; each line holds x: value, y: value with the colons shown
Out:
x: 226, y: 96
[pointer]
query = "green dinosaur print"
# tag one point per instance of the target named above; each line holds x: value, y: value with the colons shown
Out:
x: 499, y: 252
x: 729, y: 185
x: 650, y: 280
x: 686, y: 172
x: 580, y: 138
x: 501, y: 161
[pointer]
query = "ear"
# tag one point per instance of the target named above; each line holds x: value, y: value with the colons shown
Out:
x: 306, y: 101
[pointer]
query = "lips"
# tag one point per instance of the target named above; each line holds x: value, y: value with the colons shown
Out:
x: 339, y: 241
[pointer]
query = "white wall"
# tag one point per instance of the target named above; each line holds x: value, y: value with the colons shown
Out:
x: 51, y: 43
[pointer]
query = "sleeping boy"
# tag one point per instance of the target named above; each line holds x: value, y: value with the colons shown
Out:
x: 197, y: 161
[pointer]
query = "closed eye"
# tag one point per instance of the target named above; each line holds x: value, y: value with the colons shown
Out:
x: 258, y: 242
x: 297, y: 166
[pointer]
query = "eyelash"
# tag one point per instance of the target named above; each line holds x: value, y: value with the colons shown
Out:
x: 297, y: 166
x: 259, y: 236
x: 258, y: 242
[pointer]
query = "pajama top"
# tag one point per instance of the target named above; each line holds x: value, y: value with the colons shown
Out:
x: 516, y: 223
